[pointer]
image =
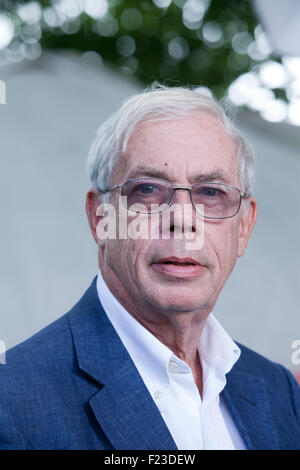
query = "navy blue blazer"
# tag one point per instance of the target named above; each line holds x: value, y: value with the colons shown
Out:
x: 73, y: 385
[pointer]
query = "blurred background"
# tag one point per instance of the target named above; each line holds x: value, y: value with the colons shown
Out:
x: 66, y: 65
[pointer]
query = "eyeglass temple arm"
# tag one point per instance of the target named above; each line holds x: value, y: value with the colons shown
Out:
x: 112, y: 187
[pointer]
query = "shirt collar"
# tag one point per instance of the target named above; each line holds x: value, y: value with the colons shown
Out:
x: 216, y: 348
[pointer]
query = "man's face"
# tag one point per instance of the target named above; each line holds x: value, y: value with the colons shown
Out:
x: 178, y: 151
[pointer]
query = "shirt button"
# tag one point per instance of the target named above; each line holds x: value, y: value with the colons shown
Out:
x: 157, y: 394
x: 173, y: 365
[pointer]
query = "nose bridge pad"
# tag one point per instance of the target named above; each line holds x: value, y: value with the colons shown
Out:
x: 185, y: 190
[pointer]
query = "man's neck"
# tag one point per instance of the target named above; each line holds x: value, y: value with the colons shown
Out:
x: 179, y: 331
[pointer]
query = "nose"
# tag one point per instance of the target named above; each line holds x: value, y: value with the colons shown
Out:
x: 181, y: 212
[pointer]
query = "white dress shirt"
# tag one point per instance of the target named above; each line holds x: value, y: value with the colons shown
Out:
x: 194, y: 423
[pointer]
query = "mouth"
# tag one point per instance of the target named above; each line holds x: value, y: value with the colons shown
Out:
x: 178, y: 267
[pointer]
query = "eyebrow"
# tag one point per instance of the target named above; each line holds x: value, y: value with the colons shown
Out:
x: 216, y: 175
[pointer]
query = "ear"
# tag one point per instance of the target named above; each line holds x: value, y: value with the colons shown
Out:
x: 91, y: 205
x: 246, y: 224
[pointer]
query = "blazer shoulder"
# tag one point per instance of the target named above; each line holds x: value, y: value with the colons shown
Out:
x: 279, y: 381
x: 254, y: 363
x: 251, y: 362
x: 40, y: 383
x: 51, y: 341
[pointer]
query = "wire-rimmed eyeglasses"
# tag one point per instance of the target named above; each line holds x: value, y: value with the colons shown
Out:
x: 153, y: 195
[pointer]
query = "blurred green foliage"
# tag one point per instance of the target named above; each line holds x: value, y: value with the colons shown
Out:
x: 185, y: 42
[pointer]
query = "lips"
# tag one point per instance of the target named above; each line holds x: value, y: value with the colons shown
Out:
x: 178, y: 267
x: 178, y: 261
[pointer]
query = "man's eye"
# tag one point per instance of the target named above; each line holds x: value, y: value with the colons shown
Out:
x: 146, y: 189
x: 210, y: 192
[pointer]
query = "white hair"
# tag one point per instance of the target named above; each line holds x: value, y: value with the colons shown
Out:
x: 159, y: 102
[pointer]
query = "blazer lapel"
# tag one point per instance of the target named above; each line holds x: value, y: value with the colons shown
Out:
x: 247, y: 400
x: 128, y: 415
x: 123, y: 406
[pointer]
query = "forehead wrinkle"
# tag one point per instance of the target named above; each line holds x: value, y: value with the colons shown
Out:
x: 215, y: 175
x: 139, y: 142
x: 205, y: 127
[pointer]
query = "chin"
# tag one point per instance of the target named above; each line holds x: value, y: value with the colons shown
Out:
x: 172, y: 300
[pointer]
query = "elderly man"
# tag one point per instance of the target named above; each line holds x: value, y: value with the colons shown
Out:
x: 140, y: 362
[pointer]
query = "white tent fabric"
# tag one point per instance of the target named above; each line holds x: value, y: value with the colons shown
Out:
x: 281, y: 21
x: 48, y: 257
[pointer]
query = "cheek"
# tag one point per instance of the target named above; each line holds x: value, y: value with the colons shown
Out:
x: 222, y: 243
x: 122, y: 242
x: 112, y: 254
x: 122, y: 257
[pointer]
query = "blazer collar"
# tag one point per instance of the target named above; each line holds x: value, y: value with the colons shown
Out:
x: 123, y: 407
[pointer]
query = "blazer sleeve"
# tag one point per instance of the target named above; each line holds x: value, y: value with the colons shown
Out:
x: 10, y: 438
x: 294, y: 391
